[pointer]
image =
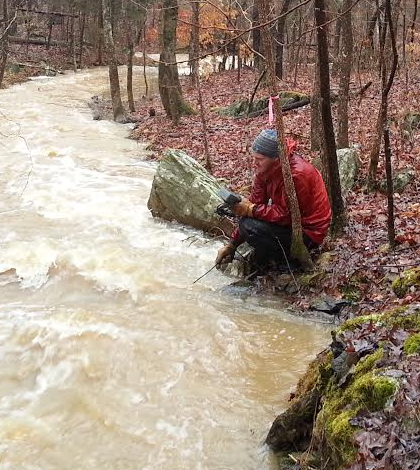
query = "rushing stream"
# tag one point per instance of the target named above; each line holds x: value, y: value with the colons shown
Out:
x: 110, y: 357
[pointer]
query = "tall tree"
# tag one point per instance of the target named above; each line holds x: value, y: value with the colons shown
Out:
x: 4, y: 41
x: 386, y: 84
x: 281, y: 23
x: 169, y: 86
x: 298, y: 248
x: 345, y: 61
x: 329, y: 154
x: 114, y: 81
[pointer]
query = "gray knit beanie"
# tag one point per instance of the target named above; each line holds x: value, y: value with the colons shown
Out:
x: 266, y: 143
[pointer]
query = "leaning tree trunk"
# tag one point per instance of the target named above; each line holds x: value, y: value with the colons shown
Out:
x: 329, y: 154
x: 346, y: 60
x: 114, y: 81
x: 298, y: 248
x: 280, y: 38
x: 169, y: 86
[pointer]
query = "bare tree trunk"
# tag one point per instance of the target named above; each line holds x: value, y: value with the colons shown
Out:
x: 208, y: 164
x: 280, y: 38
x: 256, y: 37
x: 169, y: 86
x: 50, y: 28
x: 413, y: 23
x: 337, y: 39
x: 73, y: 45
x: 114, y: 81
x: 330, y: 153
x: 4, y: 42
x: 82, y: 36
x: 101, y: 33
x: 316, y: 121
x: 389, y: 189
x: 298, y: 248
x: 146, y: 84
x: 346, y: 60
x: 195, y: 43
x: 130, y: 96
x: 386, y: 87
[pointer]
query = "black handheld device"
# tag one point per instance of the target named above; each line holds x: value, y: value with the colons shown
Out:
x: 230, y: 198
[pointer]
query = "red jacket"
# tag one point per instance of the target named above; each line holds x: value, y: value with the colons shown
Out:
x: 311, y: 193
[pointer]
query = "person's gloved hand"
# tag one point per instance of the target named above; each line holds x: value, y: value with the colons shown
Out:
x: 225, y: 255
x: 243, y: 208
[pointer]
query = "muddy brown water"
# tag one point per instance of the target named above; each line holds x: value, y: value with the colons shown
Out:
x: 110, y: 357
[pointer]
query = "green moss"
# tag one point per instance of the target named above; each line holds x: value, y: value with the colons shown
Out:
x: 318, y: 371
x: 371, y: 391
x: 409, y: 278
x: 367, y: 363
x: 312, y: 279
x: 354, y: 323
x: 401, y: 317
x: 412, y: 344
x: 341, y: 433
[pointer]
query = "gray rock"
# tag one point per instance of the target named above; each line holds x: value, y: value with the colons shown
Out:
x: 184, y: 191
x: 348, y: 167
x: 400, y: 179
x: 329, y: 305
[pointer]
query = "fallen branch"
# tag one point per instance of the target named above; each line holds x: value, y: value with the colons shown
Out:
x: 44, y: 67
x: 35, y: 41
x: 49, y: 13
x: 286, y: 107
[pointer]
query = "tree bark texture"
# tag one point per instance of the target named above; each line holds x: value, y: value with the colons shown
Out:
x: 5, y: 42
x: 389, y: 189
x: 386, y: 87
x: 169, y: 86
x: 330, y: 153
x: 316, y: 120
x: 298, y: 248
x: 114, y: 81
x: 256, y: 37
x: 280, y: 39
x: 346, y: 60
x: 195, y: 43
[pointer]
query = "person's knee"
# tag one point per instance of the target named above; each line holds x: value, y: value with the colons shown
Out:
x: 245, y: 227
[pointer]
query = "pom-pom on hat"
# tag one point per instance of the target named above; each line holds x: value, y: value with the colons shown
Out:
x: 266, y: 143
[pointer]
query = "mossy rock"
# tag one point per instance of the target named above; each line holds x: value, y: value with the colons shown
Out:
x: 408, y: 279
x: 357, y: 322
x: 412, y: 344
x: 312, y: 279
x: 400, y: 180
x: 368, y: 391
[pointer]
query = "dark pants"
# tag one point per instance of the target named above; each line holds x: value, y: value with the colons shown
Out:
x: 271, y: 241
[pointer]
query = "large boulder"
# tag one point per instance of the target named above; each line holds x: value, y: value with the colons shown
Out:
x: 348, y: 167
x: 184, y: 191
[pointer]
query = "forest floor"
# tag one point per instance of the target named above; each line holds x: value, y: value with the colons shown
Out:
x: 361, y: 267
